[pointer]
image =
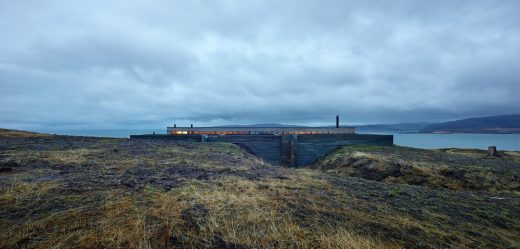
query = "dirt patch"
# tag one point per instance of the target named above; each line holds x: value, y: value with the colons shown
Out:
x: 195, y: 217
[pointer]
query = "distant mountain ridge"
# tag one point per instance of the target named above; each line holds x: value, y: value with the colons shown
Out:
x: 493, y: 124
x: 398, y: 127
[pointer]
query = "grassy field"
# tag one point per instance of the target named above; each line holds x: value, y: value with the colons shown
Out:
x: 63, y: 192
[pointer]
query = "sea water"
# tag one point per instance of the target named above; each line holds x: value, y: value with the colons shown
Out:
x: 466, y: 141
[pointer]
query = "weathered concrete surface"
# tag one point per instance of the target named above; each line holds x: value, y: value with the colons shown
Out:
x: 266, y: 147
x: 311, y: 147
x: 186, y: 138
x: 289, y: 150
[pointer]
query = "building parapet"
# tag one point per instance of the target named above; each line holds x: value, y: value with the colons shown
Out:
x: 257, y: 130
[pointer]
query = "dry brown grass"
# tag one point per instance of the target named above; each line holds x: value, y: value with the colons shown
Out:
x: 72, y: 156
x: 17, y: 134
x: 59, y: 157
x: 512, y: 153
x: 14, y: 195
x: 119, y: 194
x: 249, y: 214
x: 231, y: 212
x: 454, y: 169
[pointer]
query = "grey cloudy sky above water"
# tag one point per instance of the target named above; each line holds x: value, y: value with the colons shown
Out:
x: 153, y: 63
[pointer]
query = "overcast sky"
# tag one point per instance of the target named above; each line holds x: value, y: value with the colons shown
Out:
x: 119, y: 64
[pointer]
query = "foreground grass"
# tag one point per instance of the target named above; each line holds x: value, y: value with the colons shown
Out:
x: 65, y: 192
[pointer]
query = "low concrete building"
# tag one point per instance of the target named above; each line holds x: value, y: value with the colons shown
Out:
x: 288, y: 146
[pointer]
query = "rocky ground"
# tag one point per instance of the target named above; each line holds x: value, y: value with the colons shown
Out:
x: 63, y: 191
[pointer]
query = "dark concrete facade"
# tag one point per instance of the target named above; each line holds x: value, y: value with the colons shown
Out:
x: 311, y: 147
x: 291, y: 150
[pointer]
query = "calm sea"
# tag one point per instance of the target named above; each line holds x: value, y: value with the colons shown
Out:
x: 425, y: 141
x: 467, y: 141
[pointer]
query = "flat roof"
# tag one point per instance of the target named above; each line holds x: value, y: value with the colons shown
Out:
x: 260, y: 130
x: 256, y: 127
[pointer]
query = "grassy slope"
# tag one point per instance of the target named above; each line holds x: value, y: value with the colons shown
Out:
x: 454, y: 169
x: 90, y: 192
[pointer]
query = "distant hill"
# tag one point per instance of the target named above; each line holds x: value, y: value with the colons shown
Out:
x: 494, y: 124
x: 400, y: 127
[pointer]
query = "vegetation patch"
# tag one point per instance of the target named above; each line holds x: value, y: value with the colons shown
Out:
x: 120, y: 193
x: 454, y: 169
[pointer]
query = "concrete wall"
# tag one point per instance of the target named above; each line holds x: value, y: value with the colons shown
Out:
x: 288, y: 150
x: 266, y: 147
x: 186, y: 138
x: 311, y: 147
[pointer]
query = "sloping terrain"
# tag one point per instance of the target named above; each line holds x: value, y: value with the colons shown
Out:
x: 70, y: 192
x: 455, y: 169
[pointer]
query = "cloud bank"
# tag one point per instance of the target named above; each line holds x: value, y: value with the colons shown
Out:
x: 154, y: 63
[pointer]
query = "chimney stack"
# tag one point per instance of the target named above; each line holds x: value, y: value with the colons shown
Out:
x: 174, y: 125
x: 337, y: 121
x: 191, y: 126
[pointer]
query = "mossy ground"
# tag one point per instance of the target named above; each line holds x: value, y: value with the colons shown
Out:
x: 63, y: 192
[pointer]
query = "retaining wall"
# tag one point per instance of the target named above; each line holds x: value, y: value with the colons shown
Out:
x: 185, y: 138
x: 266, y: 147
x: 288, y: 150
x: 311, y: 147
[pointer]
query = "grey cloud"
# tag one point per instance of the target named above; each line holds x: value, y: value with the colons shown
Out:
x: 133, y: 63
